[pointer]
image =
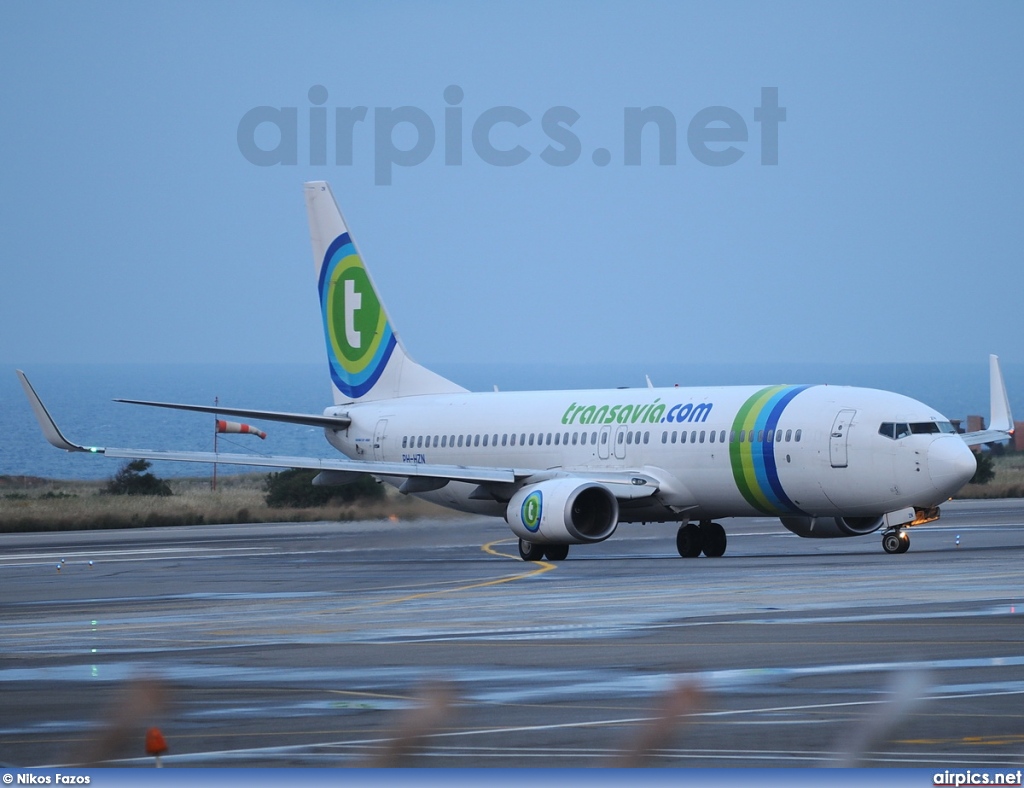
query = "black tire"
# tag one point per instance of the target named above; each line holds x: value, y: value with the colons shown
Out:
x: 688, y: 540
x: 531, y: 551
x: 904, y: 543
x: 713, y: 540
x: 556, y: 552
x: 892, y: 543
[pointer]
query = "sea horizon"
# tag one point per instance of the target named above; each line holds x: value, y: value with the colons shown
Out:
x: 79, y: 396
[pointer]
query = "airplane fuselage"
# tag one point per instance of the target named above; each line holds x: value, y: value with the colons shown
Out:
x: 714, y: 452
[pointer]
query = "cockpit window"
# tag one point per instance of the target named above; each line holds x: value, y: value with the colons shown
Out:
x: 895, y: 430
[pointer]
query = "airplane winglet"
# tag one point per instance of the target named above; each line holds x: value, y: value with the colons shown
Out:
x: 50, y: 430
x: 1000, y: 417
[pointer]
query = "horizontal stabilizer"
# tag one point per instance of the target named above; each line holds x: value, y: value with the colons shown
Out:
x: 308, y: 419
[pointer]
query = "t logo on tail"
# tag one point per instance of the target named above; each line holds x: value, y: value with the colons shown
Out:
x: 353, y: 301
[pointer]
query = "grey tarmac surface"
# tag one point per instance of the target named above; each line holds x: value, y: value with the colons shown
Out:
x: 314, y: 644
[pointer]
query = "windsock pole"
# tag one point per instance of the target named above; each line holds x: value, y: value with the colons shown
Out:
x: 219, y: 426
x: 216, y: 402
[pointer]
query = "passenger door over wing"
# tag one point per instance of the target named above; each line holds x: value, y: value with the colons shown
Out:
x: 379, y: 435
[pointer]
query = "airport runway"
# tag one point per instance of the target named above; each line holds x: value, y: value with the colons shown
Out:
x: 314, y: 644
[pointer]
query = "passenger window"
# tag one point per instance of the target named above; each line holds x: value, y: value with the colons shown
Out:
x: 604, y: 438
x: 531, y: 438
x: 565, y: 439
x: 460, y: 441
x: 712, y: 437
x: 664, y: 437
x: 522, y: 439
x: 647, y: 437
x: 558, y: 435
x: 485, y: 440
x: 494, y: 439
x: 405, y: 442
x: 721, y: 436
x: 796, y: 435
x: 693, y: 437
x: 789, y: 435
x: 513, y: 441
x: 435, y: 441
x: 682, y: 437
x: 593, y: 439
x: 760, y: 436
x: 619, y: 439
x: 575, y: 438
x: 768, y: 436
x: 629, y: 437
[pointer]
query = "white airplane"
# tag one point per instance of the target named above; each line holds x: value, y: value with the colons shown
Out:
x: 566, y: 467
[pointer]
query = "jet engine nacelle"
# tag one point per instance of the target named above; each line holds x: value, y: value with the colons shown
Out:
x: 832, y: 527
x: 563, y: 511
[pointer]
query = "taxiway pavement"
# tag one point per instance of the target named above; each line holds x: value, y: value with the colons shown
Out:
x: 316, y: 644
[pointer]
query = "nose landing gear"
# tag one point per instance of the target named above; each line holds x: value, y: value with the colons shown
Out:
x: 895, y: 541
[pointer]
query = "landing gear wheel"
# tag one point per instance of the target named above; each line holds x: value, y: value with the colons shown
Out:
x: 530, y: 551
x: 556, y: 552
x: 713, y: 540
x: 895, y: 542
x: 688, y: 540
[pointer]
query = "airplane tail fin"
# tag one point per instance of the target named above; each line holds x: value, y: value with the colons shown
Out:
x: 367, y: 358
x: 1000, y: 417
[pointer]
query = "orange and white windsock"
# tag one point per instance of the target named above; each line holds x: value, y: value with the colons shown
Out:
x: 234, y: 426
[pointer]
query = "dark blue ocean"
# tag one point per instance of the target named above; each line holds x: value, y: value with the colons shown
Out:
x: 79, y: 398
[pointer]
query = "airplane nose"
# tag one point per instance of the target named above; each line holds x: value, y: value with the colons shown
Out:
x: 950, y: 464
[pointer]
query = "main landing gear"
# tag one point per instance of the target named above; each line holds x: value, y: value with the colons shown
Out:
x: 895, y: 541
x: 531, y: 551
x: 708, y: 538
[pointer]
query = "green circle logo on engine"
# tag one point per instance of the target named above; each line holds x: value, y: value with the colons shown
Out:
x: 531, y: 511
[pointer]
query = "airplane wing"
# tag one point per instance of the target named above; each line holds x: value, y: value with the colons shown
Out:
x: 1000, y: 423
x: 500, y: 482
x: 56, y: 438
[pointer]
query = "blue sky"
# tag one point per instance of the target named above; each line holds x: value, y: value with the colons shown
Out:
x: 135, y: 229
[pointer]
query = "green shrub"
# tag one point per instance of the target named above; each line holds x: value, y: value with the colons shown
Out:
x: 132, y: 479
x: 295, y: 489
x: 986, y: 469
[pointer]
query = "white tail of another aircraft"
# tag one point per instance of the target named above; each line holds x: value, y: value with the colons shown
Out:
x: 367, y: 358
